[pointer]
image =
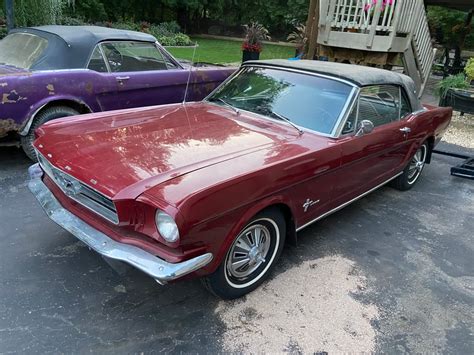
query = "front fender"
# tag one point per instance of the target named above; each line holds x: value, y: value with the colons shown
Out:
x: 244, y: 219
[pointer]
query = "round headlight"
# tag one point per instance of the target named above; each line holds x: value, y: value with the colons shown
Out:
x: 166, y: 226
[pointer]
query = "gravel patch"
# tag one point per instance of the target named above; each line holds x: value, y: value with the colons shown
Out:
x: 306, y: 309
x: 461, y: 130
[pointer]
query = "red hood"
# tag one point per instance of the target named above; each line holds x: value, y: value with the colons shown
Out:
x: 137, y: 149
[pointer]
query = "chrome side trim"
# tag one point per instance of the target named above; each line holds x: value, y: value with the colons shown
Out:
x: 347, y: 203
x: 159, y: 269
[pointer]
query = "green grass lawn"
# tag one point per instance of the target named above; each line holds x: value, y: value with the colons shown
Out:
x: 225, y: 51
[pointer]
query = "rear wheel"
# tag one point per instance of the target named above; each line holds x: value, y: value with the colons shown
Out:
x: 413, y: 170
x: 43, y: 117
x: 250, y: 258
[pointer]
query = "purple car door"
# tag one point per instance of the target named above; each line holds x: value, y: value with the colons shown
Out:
x: 136, y: 74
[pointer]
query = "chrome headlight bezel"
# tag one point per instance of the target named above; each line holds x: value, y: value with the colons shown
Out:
x: 166, y: 226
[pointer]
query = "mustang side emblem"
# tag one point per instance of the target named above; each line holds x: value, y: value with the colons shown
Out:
x: 309, y: 203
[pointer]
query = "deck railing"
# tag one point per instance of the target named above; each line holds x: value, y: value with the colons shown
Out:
x: 395, y: 26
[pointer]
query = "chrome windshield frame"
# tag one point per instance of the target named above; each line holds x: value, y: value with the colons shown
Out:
x: 341, y: 118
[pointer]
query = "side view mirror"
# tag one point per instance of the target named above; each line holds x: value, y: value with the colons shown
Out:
x: 364, y: 127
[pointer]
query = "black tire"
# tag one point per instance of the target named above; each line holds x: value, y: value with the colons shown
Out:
x: 407, y: 180
x: 43, y: 117
x: 224, y: 284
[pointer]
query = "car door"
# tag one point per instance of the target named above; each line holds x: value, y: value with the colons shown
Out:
x: 369, y: 159
x: 141, y: 74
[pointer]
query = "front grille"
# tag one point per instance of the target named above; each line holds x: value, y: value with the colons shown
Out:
x: 79, y: 192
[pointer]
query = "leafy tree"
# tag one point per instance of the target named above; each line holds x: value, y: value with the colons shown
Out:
x: 448, y: 26
x: 89, y: 10
x: 38, y: 12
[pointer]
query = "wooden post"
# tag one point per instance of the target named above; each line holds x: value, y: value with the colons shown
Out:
x: 313, y: 29
x: 309, y: 20
x: 10, y: 14
x: 374, y: 24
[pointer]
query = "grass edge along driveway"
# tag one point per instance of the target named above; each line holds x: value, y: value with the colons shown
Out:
x: 220, y: 51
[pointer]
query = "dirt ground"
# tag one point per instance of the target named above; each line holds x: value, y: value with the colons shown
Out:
x: 461, y: 130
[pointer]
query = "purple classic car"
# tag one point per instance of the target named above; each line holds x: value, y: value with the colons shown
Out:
x: 56, y: 71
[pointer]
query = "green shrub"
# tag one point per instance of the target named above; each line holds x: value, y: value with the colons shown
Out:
x: 457, y: 81
x: 182, y: 40
x: 165, y: 29
x: 71, y: 21
x: 178, y: 39
x: 127, y: 25
x: 3, y: 32
x: 469, y: 69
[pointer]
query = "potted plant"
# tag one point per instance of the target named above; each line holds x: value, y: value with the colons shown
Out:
x: 456, y: 92
x: 255, y: 33
x: 298, y: 36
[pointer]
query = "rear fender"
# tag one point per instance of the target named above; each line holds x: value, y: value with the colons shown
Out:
x: 51, y: 101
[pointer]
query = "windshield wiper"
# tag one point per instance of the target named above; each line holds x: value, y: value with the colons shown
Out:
x: 286, y: 119
x: 220, y: 99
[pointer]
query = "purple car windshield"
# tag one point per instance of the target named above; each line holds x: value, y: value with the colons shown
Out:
x: 21, y: 50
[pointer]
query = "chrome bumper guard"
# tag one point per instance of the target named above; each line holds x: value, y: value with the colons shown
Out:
x: 161, y: 270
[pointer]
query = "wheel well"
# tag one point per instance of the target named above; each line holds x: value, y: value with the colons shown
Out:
x: 78, y: 106
x: 430, y: 142
x: 290, y: 221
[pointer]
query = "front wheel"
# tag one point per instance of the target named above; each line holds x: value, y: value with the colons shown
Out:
x: 413, y: 170
x: 43, y: 117
x: 250, y: 258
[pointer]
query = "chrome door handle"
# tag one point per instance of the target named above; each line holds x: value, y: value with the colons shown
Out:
x: 405, y: 130
x: 122, y: 78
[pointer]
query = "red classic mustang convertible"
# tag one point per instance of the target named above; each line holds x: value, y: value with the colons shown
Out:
x: 215, y: 188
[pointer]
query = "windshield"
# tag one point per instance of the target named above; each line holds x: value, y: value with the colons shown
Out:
x: 21, y: 50
x: 306, y: 100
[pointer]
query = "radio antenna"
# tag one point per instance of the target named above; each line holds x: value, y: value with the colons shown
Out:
x: 189, y: 74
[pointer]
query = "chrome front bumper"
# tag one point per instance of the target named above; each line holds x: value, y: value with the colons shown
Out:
x: 161, y: 270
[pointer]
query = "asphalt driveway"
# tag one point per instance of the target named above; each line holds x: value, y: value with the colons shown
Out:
x: 392, y: 272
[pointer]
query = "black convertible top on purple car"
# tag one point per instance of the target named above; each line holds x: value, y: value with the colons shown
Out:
x: 70, y: 47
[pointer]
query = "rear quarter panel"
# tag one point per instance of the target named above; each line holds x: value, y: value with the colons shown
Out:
x: 441, y: 118
x: 23, y: 95
x: 427, y: 125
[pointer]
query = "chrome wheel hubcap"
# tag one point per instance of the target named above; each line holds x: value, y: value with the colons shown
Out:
x: 416, y: 165
x: 248, y: 251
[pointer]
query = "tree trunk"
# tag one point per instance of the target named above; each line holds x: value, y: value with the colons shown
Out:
x: 10, y: 14
x: 313, y: 30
